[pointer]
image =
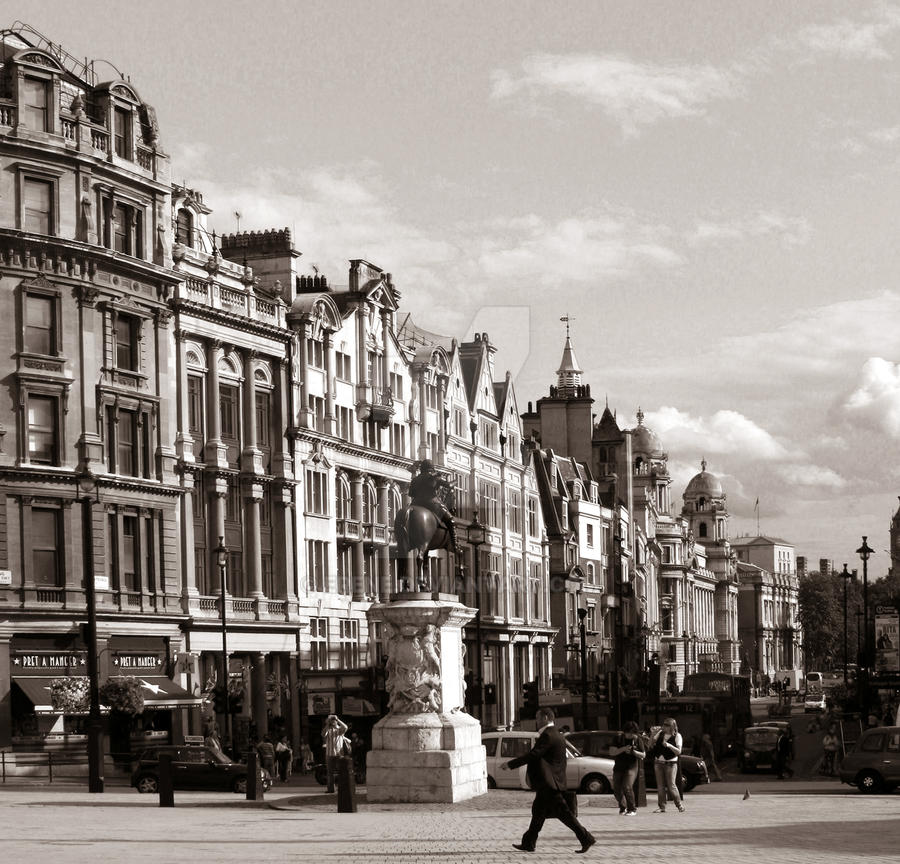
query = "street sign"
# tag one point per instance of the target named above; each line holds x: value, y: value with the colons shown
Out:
x: 5, y: 577
x: 101, y: 583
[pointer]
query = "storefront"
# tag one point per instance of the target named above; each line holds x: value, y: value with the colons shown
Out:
x: 356, y: 695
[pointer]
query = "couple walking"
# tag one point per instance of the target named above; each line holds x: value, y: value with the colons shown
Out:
x: 546, y: 763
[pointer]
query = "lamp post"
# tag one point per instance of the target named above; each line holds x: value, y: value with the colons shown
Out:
x: 846, y: 576
x: 582, y: 614
x: 475, y: 535
x: 88, y: 492
x: 221, y: 553
x: 864, y: 552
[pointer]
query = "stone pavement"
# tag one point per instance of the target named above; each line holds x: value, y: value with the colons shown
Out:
x: 781, y: 823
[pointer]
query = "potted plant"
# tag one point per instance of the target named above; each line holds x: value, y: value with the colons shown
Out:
x: 70, y: 695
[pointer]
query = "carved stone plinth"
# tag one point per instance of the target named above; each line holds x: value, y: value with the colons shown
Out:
x: 427, y: 748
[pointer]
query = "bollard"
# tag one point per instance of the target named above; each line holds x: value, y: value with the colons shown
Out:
x: 166, y: 787
x: 346, y: 783
x: 255, y: 788
x: 640, y: 786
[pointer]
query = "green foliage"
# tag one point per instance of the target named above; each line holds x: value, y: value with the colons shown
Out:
x: 70, y: 695
x: 123, y: 695
x: 822, y: 616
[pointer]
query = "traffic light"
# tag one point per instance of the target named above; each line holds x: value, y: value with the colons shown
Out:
x: 490, y: 694
x: 531, y: 699
x: 219, y: 700
x: 236, y: 702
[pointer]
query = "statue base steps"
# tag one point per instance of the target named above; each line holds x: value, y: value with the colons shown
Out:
x: 426, y: 757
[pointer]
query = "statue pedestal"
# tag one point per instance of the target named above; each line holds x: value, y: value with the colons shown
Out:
x: 427, y: 748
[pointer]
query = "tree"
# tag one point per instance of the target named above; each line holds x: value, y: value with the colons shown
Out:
x: 822, y: 617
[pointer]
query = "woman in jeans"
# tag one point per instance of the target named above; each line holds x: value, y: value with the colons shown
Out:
x: 628, y: 755
x: 666, y: 748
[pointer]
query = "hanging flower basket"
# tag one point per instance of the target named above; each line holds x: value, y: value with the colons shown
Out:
x: 123, y: 695
x: 70, y: 695
x: 235, y: 687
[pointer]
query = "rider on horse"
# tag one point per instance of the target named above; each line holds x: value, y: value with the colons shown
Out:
x: 425, y: 490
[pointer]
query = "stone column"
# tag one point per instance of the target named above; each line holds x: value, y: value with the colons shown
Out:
x: 423, y: 415
x: 90, y: 445
x: 327, y: 350
x: 258, y: 693
x: 166, y: 388
x: 215, y: 451
x: 359, y: 558
x: 251, y: 468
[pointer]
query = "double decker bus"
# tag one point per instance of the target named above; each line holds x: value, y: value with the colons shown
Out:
x: 732, y: 694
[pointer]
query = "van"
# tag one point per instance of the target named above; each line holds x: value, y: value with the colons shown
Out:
x: 874, y: 763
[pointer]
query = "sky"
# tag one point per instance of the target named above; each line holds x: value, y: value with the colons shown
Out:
x: 709, y: 190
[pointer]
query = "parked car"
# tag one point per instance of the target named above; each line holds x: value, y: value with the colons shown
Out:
x: 194, y: 766
x: 758, y: 749
x: 586, y: 774
x: 596, y: 742
x: 873, y: 765
x: 814, y: 702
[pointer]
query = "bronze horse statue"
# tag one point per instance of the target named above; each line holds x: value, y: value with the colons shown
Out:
x: 418, y: 530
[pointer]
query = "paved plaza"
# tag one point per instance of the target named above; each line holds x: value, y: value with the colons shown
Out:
x: 806, y: 821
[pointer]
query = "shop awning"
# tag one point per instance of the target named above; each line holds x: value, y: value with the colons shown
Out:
x: 162, y: 692
x: 38, y: 691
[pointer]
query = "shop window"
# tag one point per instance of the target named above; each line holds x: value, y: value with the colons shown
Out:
x: 45, y: 545
x: 42, y: 433
x: 37, y: 204
x: 34, y: 107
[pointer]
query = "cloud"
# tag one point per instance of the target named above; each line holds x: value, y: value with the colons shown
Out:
x: 789, y: 230
x: 849, y: 39
x: 812, y: 476
x: 630, y: 93
x: 875, y: 401
x: 724, y: 432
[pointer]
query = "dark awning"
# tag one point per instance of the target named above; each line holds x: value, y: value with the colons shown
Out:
x: 162, y: 692
x: 37, y: 690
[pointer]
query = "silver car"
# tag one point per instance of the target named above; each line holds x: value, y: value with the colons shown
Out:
x: 589, y: 775
x: 874, y: 763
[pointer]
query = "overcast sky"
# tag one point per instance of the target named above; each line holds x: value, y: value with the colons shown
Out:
x: 710, y: 189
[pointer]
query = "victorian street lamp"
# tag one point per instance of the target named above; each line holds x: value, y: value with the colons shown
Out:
x: 582, y: 614
x: 88, y: 492
x: 864, y: 552
x: 221, y: 553
x: 846, y: 576
x: 475, y: 534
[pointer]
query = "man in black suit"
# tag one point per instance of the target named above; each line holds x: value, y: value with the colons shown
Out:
x: 547, y: 775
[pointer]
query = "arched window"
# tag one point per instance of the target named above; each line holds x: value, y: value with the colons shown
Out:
x: 589, y: 568
x: 703, y: 529
x: 701, y: 503
x: 184, y: 227
x: 344, y: 497
x: 370, y: 504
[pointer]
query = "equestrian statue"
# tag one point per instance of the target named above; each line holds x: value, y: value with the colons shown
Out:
x: 427, y: 523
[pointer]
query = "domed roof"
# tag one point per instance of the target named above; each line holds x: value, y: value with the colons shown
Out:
x: 704, y: 484
x: 644, y: 440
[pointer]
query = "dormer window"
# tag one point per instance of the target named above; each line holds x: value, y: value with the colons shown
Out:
x: 184, y: 227
x: 34, y: 106
x: 122, y: 120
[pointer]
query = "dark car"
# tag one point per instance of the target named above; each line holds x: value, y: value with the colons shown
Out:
x: 194, y: 766
x: 691, y: 770
x: 758, y: 749
x: 873, y: 765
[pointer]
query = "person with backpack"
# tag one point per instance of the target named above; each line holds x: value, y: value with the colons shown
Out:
x: 666, y: 748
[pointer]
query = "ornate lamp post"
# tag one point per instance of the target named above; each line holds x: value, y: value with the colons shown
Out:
x: 846, y: 576
x: 221, y: 553
x: 864, y: 552
x: 582, y: 614
x: 475, y: 534
x: 88, y: 492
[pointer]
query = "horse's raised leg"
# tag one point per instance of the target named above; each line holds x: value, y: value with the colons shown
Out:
x: 421, y: 563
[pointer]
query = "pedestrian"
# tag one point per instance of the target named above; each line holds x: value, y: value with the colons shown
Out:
x: 629, y: 754
x: 783, y: 749
x: 666, y: 748
x: 333, y: 736
x: 708, y: 754
x: 266, y: 751
x: 212, y: 737
x: 283, y: 756
x: 829, y: 750
x: 307, y: 760
x: 546, y: 773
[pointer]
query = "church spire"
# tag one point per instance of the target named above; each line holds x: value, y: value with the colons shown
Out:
x: 568, y: 376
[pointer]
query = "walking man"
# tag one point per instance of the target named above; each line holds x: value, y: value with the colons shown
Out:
x: 546, y: 763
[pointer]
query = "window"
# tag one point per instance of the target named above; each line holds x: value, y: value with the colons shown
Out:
x: 348, y: 645
x: 536, y: 573
x: 317, y: 564
x: 40, y: 324
x: 37, y: 211
x: 195, y: 411
x: 512, y: 747
x: 489, y: 494
x: 315, y: 353
x: 263, y: 420
x: 460, y: 427
x: 130, y: 576
x: 589, y: 535
x: 122, y: 132
x: 371, y: 435
x: 233, y: 500
x: 345, y: 423
x: 432, y: 443
x: 268, y: 575
x: 431, y: 396
x: 345, y: 570
x: 490, y: 569
x: 396, y: 385
x: 317, y: 409
x: 533, y: 530
x: 590, y: 574
x: 34, y: 109
x: 702, y: 531
x: 229, y: 401
x: 372, y: 368
x: 43, y: 441
x: 487, y: 432
x: 184, y: 227
x: 123, y: 227
x: 344, y: 498
x: 316, y: 492
x: 342, y: 365
x: 128, y: 441
x: 45, y: 547
x: 518, y: 594
x: 398, y: 439
x: 127, y: 333
x: 318, y: 643
x: 515, y: 511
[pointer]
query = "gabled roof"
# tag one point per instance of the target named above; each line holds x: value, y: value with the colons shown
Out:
x: 760, y: 541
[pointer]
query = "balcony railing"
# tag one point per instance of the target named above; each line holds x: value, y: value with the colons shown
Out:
x: 50, y: 595
x: 7, y: 115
